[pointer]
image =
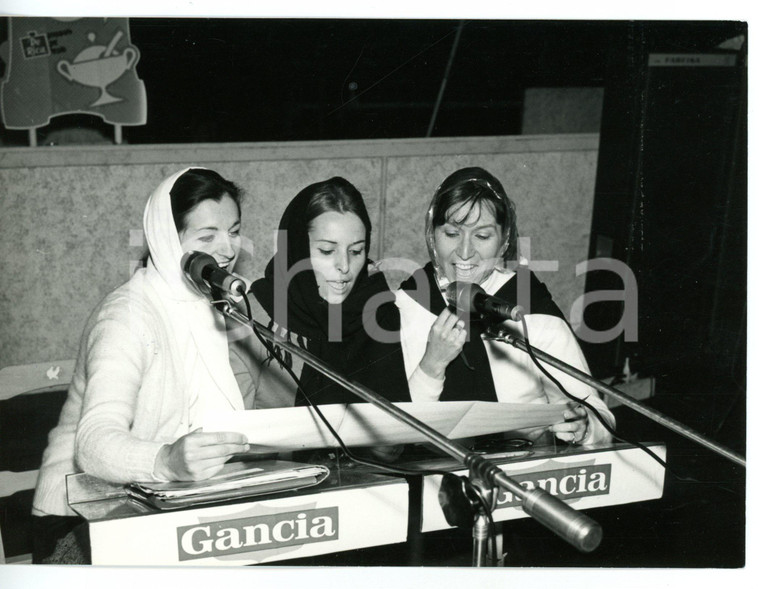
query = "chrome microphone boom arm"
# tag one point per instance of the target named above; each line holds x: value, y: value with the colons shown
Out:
x: 664, y: 420
x: 574, y: 527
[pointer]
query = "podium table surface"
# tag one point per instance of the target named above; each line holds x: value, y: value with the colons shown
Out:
x: 352, y: 508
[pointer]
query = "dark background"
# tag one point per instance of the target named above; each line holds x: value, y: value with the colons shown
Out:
x: 280, y: 80
x: 220, y: 80
x: 670, y: 202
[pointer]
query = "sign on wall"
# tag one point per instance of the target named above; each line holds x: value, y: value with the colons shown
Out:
x: 60, y: 66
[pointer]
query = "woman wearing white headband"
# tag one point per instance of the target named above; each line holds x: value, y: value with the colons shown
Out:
x: 471, y: 234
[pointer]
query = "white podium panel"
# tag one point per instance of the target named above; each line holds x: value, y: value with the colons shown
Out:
x: 582, y: 478
x: 351, y: 509
x: 263, y: 529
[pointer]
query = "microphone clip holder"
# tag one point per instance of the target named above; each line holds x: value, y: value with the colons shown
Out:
x: 497, y: 333
x: 468, y: 502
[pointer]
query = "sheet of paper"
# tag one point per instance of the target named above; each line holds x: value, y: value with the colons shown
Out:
x: 274, y: 471
x: 363, y: 424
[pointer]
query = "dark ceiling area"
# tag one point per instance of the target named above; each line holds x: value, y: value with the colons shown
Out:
x: 240, y: 80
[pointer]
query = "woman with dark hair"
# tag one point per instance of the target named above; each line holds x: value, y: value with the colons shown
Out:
x: 471, y: 234
x: 321, y: 292
x: 152, y: 360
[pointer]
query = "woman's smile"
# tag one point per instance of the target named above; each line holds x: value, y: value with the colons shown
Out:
x: 464, y: 271
x: 467, y: 245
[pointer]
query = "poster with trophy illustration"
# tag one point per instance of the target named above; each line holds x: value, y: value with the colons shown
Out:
x: 63, y: 66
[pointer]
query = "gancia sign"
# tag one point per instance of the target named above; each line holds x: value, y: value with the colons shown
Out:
x: 565, y: 483
x: 263, y: 532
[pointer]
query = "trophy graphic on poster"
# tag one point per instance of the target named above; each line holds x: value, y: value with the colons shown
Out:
x: 99, y: 66
x: 65, y: 66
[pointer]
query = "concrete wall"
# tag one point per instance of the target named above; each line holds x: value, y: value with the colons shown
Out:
x: 71, y: 217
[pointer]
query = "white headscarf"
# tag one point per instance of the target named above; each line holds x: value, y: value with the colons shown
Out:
x: 198, y: 329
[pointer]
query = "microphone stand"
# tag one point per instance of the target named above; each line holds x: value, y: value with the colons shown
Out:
x: 576, y: 528
x: 520, y: 344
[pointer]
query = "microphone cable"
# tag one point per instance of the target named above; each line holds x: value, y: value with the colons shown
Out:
x: 596, y: 413
x: 474, y: 490
x: 366, y: 462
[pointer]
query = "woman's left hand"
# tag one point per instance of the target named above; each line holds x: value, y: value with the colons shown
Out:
x: 575, y: 427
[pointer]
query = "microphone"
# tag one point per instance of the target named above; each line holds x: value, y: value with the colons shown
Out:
x: 202, y: 269
x: 471, y: 298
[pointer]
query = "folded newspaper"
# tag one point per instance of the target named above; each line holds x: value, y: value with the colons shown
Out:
x: 363, y: 424
x: 235, y: 480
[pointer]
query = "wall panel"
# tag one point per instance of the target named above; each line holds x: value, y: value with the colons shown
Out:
x: 71, y: 218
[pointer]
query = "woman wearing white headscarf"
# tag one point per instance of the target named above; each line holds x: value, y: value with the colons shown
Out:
x: 153, y: 358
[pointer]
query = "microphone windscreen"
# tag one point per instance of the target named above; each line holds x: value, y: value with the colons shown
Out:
x: 462, y: 295
x: 193, y: 264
